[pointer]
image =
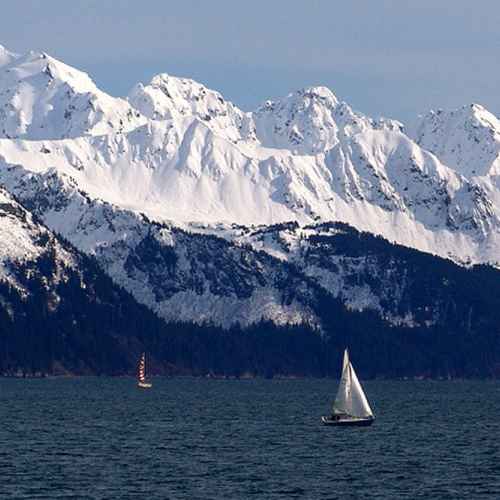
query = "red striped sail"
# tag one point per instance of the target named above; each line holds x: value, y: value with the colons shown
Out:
x: 142, y: 368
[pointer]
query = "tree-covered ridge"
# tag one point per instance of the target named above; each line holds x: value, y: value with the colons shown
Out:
x: 100, y: 329
x: 433, y: 290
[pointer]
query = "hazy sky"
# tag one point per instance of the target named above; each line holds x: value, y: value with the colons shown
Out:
x: 384, y: 57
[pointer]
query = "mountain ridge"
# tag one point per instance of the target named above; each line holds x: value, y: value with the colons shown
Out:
x: 186, y: 155
x: 181, y: 204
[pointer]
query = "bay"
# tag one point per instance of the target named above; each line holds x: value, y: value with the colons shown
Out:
x: 188, y: 438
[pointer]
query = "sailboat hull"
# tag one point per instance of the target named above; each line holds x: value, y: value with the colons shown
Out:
x: 144, y: 385
x: 348, y: 422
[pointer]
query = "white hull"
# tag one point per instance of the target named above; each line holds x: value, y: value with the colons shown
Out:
x: 144, y: 385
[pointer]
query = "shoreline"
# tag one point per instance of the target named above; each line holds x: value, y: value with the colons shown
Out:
x: 239, y: 378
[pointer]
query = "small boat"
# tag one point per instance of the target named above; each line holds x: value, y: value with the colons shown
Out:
x: 350, y: 408
x: 141, y: 376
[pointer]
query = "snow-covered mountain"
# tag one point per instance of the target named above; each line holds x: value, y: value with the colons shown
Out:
x: 179, y: 152
x: 466, y: 139
x: 42, y: 98
x: 169, y: 188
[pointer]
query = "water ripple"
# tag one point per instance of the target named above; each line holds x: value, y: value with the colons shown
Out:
x: 101, y: 438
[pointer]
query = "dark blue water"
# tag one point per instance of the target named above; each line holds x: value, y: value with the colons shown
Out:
x: 101, y: 438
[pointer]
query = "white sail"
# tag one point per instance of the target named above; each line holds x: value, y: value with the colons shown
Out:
x: 359, y: 404
x: 350, y: 399
x: 341, y: 403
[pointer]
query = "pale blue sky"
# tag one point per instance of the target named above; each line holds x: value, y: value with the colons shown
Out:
x: 385, y: 57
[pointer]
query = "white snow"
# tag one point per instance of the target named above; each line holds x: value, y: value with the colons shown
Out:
x: 179, y: 152
x: 23, y: 240
x: 466, y: 139
x: 6, y: 57
x: 43, y: 98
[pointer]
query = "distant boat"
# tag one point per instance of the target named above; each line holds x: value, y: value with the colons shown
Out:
x: 141, y: 376
x: 350, y: 406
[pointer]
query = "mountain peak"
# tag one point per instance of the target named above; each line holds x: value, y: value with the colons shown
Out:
x: 314, y: 94
x: 168, y: 97
x: 41, y: 65
x: 319, y: 92
x: 306, y: 121
x: 466, y: 139
x: 6, y: 57
x: 43, y: 98
x: 485, y: 117
x: 302, y: 99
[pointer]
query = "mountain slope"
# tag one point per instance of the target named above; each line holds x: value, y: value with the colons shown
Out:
x: 403, y: 286
x: 267, y: 273
x: 401, y: 311
x: 179, y: 275
x: 58, y: 311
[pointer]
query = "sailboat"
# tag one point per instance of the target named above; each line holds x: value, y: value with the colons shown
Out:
x: 141, y: 376
x: 350, y: 406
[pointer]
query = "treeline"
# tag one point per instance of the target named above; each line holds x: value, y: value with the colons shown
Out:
x: 378, y: 351
x: 102, y: 330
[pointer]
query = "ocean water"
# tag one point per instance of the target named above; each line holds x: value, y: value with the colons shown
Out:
x: 102, y: 438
